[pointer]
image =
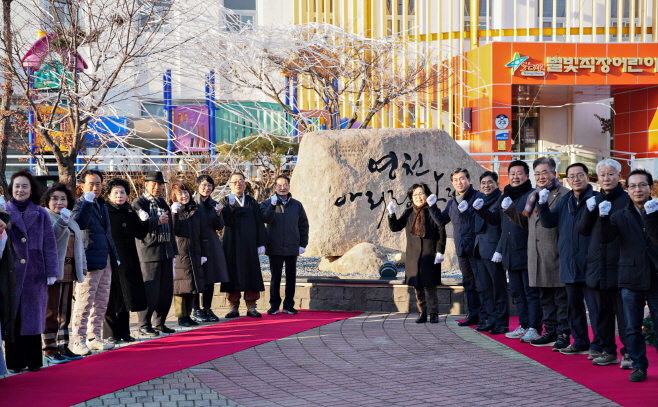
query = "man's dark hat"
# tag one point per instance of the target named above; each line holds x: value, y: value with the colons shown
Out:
x: 155, y: 176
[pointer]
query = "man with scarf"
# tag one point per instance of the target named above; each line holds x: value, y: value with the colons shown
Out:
x: 156, y: 253
x: 513, y: 250
x: 572, y: 248
x: 543, y: 258
x: 464, y: 238
x: 490, y: 275
x: 602, y: 265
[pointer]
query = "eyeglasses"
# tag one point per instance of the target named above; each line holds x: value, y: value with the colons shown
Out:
x: 235, y: 182
x: 641, y: 185
x: 487, y: 182
x: 542, y: 174
x: 580, y: 175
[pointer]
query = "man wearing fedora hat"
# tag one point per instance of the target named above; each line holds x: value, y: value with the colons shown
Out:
x: 156, y: 253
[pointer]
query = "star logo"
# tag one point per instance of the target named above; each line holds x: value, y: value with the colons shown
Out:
x: 516, y: 62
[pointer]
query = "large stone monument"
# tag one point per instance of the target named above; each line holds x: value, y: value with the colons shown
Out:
x: 345, y: 178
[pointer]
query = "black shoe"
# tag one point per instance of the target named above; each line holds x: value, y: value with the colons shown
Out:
x: 200, y: 316
x: 164, y: 329
x: 273, y: 311
x: 232, y: 314
x: 183, y: 322
x: 434, y: 318
x: 289, y: 310
x: 562, y: 342
x: 127, y: 338
x: 544, y: 340
x: 638, y: 375
x: 66, y: 352
x: 484, y: 326
x: 191, y: 321
x: 148, y: 332
x: 497, y: 330
x: 422, y: 318
x: 15, y: 371
x: 211, y: 315
x: 36, y: 369
x: 254, y: 314
x: 469, y: 321
x: 112, y: 340
x: 55, y: 359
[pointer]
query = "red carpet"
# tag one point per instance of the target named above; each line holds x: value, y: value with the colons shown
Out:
x: 78, y: 381
x: 609, y: 381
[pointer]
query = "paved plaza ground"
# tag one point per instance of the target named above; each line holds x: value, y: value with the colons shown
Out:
x: 375, y: 359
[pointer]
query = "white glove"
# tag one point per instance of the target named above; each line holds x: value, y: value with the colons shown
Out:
x: 175, y: 207
x: 3, y: 204
x: 497, y: 257
x: 273, y: 199
x: 604, y: 208
x: 391, y: 208
x: 478, y: 204
x: 302, y: 251
x: 431, y: 200
x: 506, y: 203
x: 591, y: 203
x: 66, y: 215
x: 118, y: 263
x: 143, y: 216
x: 261, y: 250
x: 231, y: 198
x: 173, y: 263
x: 543, y: 196
x: 89, y: 196
x: 51, y: 280
x: 463, y: 206
x: 438, y: 258
x: 203, y: 260
x: 651, y: 206
x: 3, y: 242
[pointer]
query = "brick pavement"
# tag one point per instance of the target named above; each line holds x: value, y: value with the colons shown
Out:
x: 375, y: 359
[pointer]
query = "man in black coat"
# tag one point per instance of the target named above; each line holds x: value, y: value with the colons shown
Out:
x: 156, y: 256
x: 464, y: 239
x: 287, y: 238
x: 513, y: 250
x: 636, y: 228
x: 602, y: 265
x: 244, y: 241
x: 572, y: 248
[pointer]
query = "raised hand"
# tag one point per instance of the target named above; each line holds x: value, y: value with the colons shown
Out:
x: 431, y: 200
x: 231, y: 198
x: 175, y: 207
x: 164, y: 218
x: 273, y: 199
x: 66, y: 215
x: 463, y: 206
x: 604, y: 208
x: 89, y: 196
x: 651, y: 206
x: 478, y: 204
x: 543, y: 196
x: 591, y: 204
x: 390, y: 208
x: 507, y: 202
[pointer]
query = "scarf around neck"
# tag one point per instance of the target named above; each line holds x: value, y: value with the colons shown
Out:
x: 418, y: 225
x: 488, y: 201
x: 614, y: 194
x: 532, y: 198
x: 155, y: 211
x: 465, y: 195
x: 515, y: 192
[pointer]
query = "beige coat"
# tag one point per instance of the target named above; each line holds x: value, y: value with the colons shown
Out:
x: 543, y: 257
x: 62, y: 234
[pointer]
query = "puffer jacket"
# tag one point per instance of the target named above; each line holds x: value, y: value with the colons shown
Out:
x: 287, y: 227
x: 94, y: 222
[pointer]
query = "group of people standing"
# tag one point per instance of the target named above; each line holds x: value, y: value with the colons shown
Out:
x: 568, y: 253
x: 116, y: 257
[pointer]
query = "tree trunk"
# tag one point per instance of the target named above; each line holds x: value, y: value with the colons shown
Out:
x: 7, y: 92
x: 67, y: 173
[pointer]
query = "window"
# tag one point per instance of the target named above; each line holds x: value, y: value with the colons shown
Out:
x: 483, y: 8
x: 548, y: 23
x: 400, y: 7
x: 153, y: 13
x: 242, y: 14
x: 560, y: 9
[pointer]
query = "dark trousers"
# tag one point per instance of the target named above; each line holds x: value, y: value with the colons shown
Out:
x: 276, y: 267
x: 25, y: 350
x: 493, y: 287
x: 634, y: 301
x: 426, y: 295
x: 58, y: 317
x: 527, y: 300
x: 474, y: 302
x: 208, y: 292
x: 555, y: 305
x: 159, y: 284
x: 610, y: 305
x: 578, y: 294
x: 183, y: 305
x: 116, y: 325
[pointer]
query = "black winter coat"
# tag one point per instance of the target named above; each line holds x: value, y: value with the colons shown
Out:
x: 513, y: 244
x: 215, y: 269
x: 94, y: 222
x: 487, y: 243
x: 462, y: 234
x: 572, y: 246
x: 287, y: 227
x: 244, y: 233
x: 127, y: 292
x: 638, y: 245
x: 420, y: 270
x: 602, y: 258
x: 149, y: 248
x: 7, y: 287
x: 192, y: 242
